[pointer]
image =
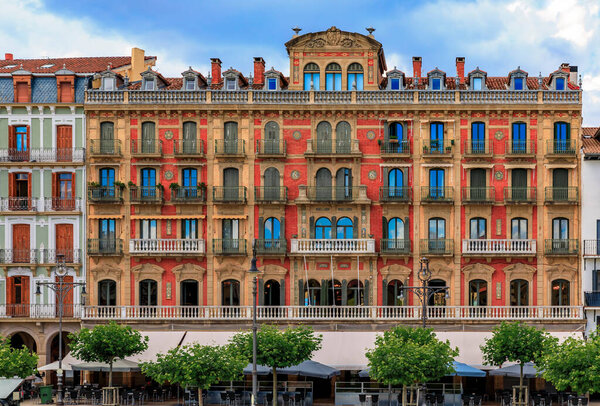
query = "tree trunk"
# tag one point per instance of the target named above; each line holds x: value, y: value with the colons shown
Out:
x: 200, y: 402
x: 274, y: 386
x: 521, y: 384
x: 389, y: 394
x: 403, y: 395
x: 110, y: 364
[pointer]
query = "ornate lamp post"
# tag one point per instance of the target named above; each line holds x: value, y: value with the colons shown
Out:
x: 254, y: 272
x: 61, y: 288
x: 425, y: 292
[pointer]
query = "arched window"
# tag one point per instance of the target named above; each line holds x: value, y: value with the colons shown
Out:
x: 562, y: 138
x: 189, y: 144
x: 272, y: 230
x: 560, y: 292
x: 312, y: 293
x: 519, y: 138
x: 148, y: 188
x: 188, y: 292
x: 396, y: 183
x: 478, y: 138
x: 323, y: 228
x: 311, y: 76
x: 271, y: 141
x: 107, y: 137
x: 439, y: 296
x: 148, y: 142
x: 324, y: 138
x: 519, y: 292
x: 230, y: 141
x: 395, y: 293
x: 478, y: 293
x: 436, y: 137
x: 355, y: 76
x: 355, y: 293
x: 478, y: 228
x: 323, y: 184
x: 148, y: 292
x: 272, y: 190
x: 395, y: 229
x: 230, y: 293
x: 107, y: 293
x: 333, y: 77
x: 272, y: 293
x: 343, y: 138
x: 334, y: 293
x: 518, y: 228
x: 344, y: 229
x: 343, y: 183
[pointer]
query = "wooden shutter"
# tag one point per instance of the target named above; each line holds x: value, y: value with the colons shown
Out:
x: 261, y: 292
x: 324, y: 292
x: 55, y: 186
x: 29, y: 190
x: 407, y: 231
x: 282, y: 228
x: 386, y: 132
x: 301, y: 290
x: 12, y: 138
x: 10, y: 290
x: 282, y: 292
x: 25, y: 290
x: 344, y: 293
x: 21, y: 242
x: 385, y: 177
x: 384, y: 292
x: 11, y: 184
x: 65, y: 93
x: 312, y: 227
x: 22, y: 95
x: 64, y: 241
x: 384, y: 227
x: 261, y: 228
x: 355, y: 228
x: 366, y: 292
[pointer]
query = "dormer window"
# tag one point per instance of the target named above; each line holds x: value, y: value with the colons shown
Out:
x: 477, y: 84
x: 436, y: 79
x: 108, y: 83
x: 46, y: 66
x: 149, y: 84
x: 271, y: 84
x: 518, y: 83
x: 395, y: 84
x: 436, y: 84
x: 517, y: 79
x: 560, y: 83
x: 230, y: 84
x: 190, y: 84
x: 395, y: 79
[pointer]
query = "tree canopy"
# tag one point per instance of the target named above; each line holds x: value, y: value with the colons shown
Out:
x: 574, y: 364
x: 197, y: 366
x: 279, y: 348
x: 16, y: 361
x: 406, y: 356
x: 107, y: 343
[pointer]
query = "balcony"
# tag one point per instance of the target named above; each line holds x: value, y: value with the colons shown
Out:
x: 39, y: 311
x: 62, y: 204
x: 45, y: 155
x: 566, y: 148
x: 169, y: 246
x: 394, y: 246
x: 229, y: 246
x: 478, y: 195
x: 395, y: 148
x: 476, y: 148
x: 437, y: 148
x: 334, y: 313
x: 146, y: 194
x: 591, y: 248
x: 104, y: 148
x: 229, y: 194
x: 562, y: 247
x: 564, y: 195
x: 271, y: 247
x: 499, y: 247
x: 519, y: 149
x: 395, y: 194
x: 20, y: 256
x: 270, y: 148
x: 269, y: 194
x: 20, y: 204
x: 332, y: 147
x: 337, y: 246
x: 188, y: 148
x: 520, y: 195
x: 592, y: 299
x: 441, y: 247
x: 191, y: 195
x: 105, y: 246
x: 105, y: 194
x: 435, y: 194
x: 146, y: 148
x: 333, y: 193
x: 231, y: 148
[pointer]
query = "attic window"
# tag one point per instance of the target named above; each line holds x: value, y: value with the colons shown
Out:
x: 46, y: 66
x: 436, y: 84
x: 272, y: 84
x: 477, y: 84
x: 560, y: 83
x: 149, y: 84
x: 395, y: 84
x: 190, y: 84
x: 108, y: 83
x: 518, y: 83
x: 9, y: 66
x: 231, y: 85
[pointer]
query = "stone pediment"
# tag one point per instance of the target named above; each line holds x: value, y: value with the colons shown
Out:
x: 333, y: 38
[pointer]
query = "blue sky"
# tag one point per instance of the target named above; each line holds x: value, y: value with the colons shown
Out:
x: 496, y: 35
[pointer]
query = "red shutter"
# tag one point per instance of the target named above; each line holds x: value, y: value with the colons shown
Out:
x: 68, y: 299
x: 25, y: 290
x: 10, y: 290
x: 12, y: 138
x: 55, y: 189
x: 11, y: 185
x: 20, y: 244
x: 65, y: 92
x: 22, y: 95
x: 64, y: 241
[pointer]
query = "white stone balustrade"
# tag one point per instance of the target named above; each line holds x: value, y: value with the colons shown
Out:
x: 337, y: 246
x: 499, y: 247
x: 167, y: 246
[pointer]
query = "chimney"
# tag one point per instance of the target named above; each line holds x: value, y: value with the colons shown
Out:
x: 417, y: 66
x: 573, y: 77
x: 259, y: 70
x: 565, y: 67
x: 138, y: 64
x: 8, y: 57
x: 215, y: 70
x: 460, y: 69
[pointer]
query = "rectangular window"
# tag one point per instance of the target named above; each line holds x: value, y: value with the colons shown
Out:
x: 190, y: 84
x: 395, y: 85
x: 149, y: 84
x: 108, y: 83
x: 272, y: 84
x: 148, y: 229
x: 519, y: 138
x: 560, y: 83
x: 311, y: 79
x: 436, y: 84
x: 355, y: 81
x: 230, y: 84
x: 477, y: 82
x: 189, y: 229
x: 518, y: 83
x: 333, y: 81
x: 65, y: 92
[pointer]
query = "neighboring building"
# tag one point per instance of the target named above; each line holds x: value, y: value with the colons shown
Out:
x: 590, y: 228
x: 345, y: 174
x: 43, y: 190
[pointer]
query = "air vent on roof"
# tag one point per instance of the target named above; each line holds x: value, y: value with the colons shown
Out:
x: 9, y: 66
x: 46, y: 66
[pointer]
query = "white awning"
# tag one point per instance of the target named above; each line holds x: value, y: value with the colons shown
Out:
x: 158, y: 342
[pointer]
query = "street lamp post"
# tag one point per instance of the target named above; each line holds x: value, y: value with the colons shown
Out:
x: 425, y: 292
x: 61, y: 288
x: 254, y: 272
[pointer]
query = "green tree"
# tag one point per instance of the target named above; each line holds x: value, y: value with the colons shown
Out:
x: 197, y: 366
x: 16, y: 361
x: 107, y: 343
x: 516, y: 342
x: 574, y: 364
x: 279, y: 348
x: 408, y: 356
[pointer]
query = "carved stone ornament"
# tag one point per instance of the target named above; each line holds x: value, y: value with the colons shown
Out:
x: 499, y: 175
x: 168, y: 175
x: 499, y: 135
x: 333, y: 36
x: 372, y: 175
x: 169, y: 135
x: 295, y: 175
x: 297, y: 135
x: 370, y: 135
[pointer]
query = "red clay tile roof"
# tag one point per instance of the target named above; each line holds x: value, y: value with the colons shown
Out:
x: 591, y: 146
x: 589, y: 131
x: 77, y: 65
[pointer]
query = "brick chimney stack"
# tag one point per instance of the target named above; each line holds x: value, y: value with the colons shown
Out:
x: 460, y: 69
x: 215, y: 71
x: 417, y: 66
x: 565, y: 67
x: 259, y: 70
x: 8, y: 57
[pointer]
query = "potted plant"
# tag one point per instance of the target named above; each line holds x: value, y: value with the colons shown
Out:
x: 378, y: 142
x: 448, y: 149
x: 425, y: 149
x: 174, y: 186
x: 160, y: 187
x: 94, y: 184
x: 120, y: 185
x: 131, y: 184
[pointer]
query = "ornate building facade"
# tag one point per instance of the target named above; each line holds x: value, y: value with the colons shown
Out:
x: 342, y: 176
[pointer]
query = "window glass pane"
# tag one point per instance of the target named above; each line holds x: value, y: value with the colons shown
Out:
x: 477, y: 83
x: 230, y: 84
x: 395, y: 84
x: 518, y: 82
x: 436, y: 84
x: 189, y: 84
x: 272, y: 84
x: 307, y: 79
x: 560, y: 83
x: 329, y: 81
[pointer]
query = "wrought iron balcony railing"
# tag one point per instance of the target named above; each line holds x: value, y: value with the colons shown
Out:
x: 562, y: 194
x: 478, y: 148
x: 229, y: 194
x: 230, y: 147
x: 591, y: 248
x: 592, y: 298
x: 332, y: 147
x: 566, y: 247
x: 192, y: 148
x: 49, y: 155
x: 436, y: 194
x: 105, y: 246
x: 21, y: 204
x: 39, y: 256
x: 271, y: 246
x: 519, y: 148
x: 188, y: 195
x: 517, y: 194
x: 270, y: 148
x: 394, y: 246
x: 265, y: 194
x: 229, y: 246
x: 146, y: 148
x: 561, y: 147
x: 395, y: 194
x: 437, y: 147
x: 395, y: 147
x: 145, y: 194
x: 437, y: 246
x: 478, y: 195
x: 105, y: 194
x: 100, y: 147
